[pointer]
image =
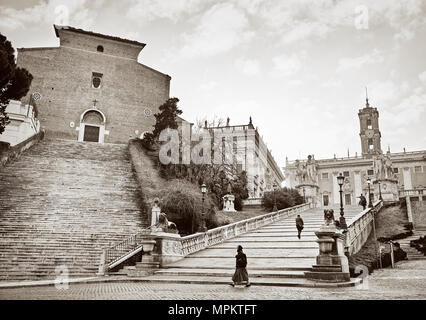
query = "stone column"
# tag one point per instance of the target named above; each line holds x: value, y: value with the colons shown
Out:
x: 336, y: 194
x: 409, y: 210
x: 407, y: 178
x: 357, y: 184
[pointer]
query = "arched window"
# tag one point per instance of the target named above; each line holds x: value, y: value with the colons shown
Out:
x: 100, y: 49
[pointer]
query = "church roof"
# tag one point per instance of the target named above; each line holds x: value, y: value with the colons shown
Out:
x: 97, y: 35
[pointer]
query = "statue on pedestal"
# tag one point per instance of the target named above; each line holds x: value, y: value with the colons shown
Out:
x: 311, y: 169
x: 155, y: 212
x: 159, y: 221
x: 382, y: 166
x: 389, y: 174
x: 228, y: 200
x: 307, y: 173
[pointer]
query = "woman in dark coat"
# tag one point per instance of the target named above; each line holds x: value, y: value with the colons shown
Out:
x: 240, y: 275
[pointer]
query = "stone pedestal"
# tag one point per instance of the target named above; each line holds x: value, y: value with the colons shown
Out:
x: 332, y: 264
x: 311, y: 193
x: 388, y: 188
x: 228, y: 203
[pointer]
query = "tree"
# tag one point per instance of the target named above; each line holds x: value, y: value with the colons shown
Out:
x: 14, y: 81
x: 164, y: 119
x: 285, y: 197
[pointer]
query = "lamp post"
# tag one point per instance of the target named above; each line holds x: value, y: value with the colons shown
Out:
x: 203, y: 218
x: 342, y: 220
x: 380, y: 192
x: 304, y: 197
x: 274, y: 186
x: 370, y: 204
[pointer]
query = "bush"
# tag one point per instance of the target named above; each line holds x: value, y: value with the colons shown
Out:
x: 182, y: 202
x: 285, y: 197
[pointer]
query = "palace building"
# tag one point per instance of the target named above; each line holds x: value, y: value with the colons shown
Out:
x: 92, y: 87
x: 406, y: 169
x: 250, y: 154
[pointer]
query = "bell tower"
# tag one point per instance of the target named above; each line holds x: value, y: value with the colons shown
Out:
x: 369, y: 130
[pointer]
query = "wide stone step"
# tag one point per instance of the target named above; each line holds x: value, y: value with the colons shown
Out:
x: 229, y: 272
x: 61, y: 202
x: 216, y: 252
x: 264, y: 281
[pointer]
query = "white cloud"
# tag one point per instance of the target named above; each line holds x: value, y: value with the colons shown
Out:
x: 75, y: 13
x: 208, y: 86
x: 422, y: 77
x: 333, y: 83
x: 145, y: 11
x: 220, y: 29
x: 247, y: 66
x: 373, y: 57
x: 286, y: 65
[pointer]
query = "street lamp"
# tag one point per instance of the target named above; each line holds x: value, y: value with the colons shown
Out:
x: 203, y: 219
x: 370, y: 204
x: 304, y: 197
x: 275, y: 198
x: 342, y: 220
x: 380, y: 192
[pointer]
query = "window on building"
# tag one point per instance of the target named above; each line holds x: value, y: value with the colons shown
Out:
x: 324, y: 175
x: 100, y: 49
x: 96, y: 80
x: 395, y: 170
x: 417, y: 169
x: 370, y: 172
x: 369, y: 125
x: 370, y: 144
x: 346, y: 173
x: 348, y: 199
x: 325, y: 199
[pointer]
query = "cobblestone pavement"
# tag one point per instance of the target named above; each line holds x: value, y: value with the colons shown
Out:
x: 407, y: 281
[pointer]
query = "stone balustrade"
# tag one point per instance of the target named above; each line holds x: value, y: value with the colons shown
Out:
x: 200, y: 241
x: 412, y: 193
x: 359, y: 228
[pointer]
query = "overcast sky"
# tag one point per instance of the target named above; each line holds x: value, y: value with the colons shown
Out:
x: 299, y: 68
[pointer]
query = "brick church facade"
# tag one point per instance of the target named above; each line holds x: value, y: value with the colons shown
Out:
x: 92, y: 87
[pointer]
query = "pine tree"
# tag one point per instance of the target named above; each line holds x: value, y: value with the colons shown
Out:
x: 14, y: 81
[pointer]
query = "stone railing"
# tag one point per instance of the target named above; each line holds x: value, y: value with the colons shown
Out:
x: 359, y: 228
x: 412, y: 193
x: 8, y: 153
x: 252, y: 202
x: 200, y: 241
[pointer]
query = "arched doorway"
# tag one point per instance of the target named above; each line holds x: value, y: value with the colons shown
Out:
x: 92, y: 126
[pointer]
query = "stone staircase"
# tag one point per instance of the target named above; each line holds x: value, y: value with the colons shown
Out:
x: 61, y: 202
x: 412, y: 253
x: 275, y: 255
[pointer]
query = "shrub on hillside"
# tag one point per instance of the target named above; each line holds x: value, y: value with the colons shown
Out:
x: 182, y: 202
x: 285, y: 197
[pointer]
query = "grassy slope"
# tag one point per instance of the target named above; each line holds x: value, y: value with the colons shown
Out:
x: 390, y: 221
x: 152, y: 184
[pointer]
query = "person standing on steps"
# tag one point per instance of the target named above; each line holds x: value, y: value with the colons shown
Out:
x: 240, y: 276
x: 362, y: 201
x: 299, y: 225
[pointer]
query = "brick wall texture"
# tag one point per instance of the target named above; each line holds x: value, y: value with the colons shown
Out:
x: 129, y: 96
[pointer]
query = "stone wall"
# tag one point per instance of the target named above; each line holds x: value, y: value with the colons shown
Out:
x: 419, y: 212
x: 129, y: 95
x: 8, y: 154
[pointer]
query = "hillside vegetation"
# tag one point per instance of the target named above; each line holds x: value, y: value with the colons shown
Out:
x: 391, y: 224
